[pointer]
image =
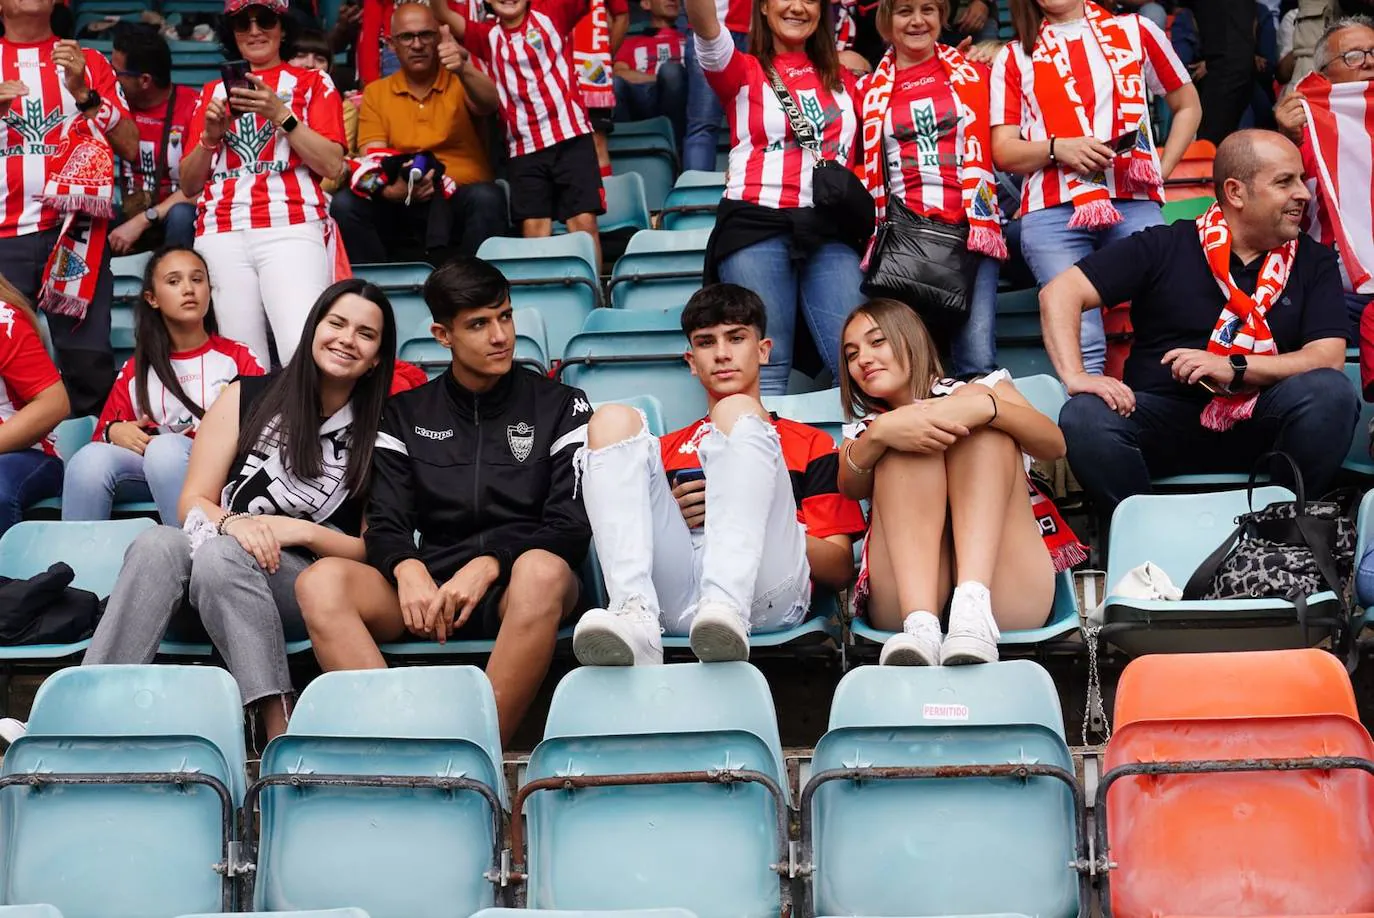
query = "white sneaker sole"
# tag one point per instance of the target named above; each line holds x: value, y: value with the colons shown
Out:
x: 963, y: 650
x: 601, y: 647
x: 714, y: 643
x: 905, y: 655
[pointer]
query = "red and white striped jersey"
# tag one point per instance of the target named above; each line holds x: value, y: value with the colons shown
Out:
x: 767, y: 166
x: 203, y: 374
x: 922, y: 139
x: 25, y: 368
x: 256, y: 179
x: 1014, y: 101
x: 32, y: 128
x: 533, y: 71
x: 140, y: 176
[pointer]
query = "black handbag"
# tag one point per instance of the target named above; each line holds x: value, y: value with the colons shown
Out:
x: 46, y: 609
x: 836, y: 191
x: 924, y: 263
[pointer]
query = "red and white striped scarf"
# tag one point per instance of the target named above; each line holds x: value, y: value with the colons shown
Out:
x: 81, y: 186
x: 1242, y: 327
x: 592, y: 55
x: 979, y: 191
x: 1337, y: 131
x: 1056, y: 92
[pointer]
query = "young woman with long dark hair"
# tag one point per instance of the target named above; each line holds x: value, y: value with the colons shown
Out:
x: 278, y: 476
x: 180, y: 366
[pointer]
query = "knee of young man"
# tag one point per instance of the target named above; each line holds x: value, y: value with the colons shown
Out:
x: 543, y: 583
x: 611, y: 424
x: 730, y: 409
x: 322, y: 592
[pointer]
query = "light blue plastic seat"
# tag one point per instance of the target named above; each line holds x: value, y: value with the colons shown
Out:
x: 132, y: 266
x: 627, y: 320
x: 95, y: 551
x: 555, y: 249
x: 931, y: 846
x: 396, y: 852
x: 310, y: 913
x: 1025, y: 359
x: 409, y: 276
x: 409, y: 309
x: 821, y: 409
x: 556, y: 275
x: 608, y: 365
x: 653, y: 159
x: 660, y: 127
x: 1045, y: 393
x: 1018, y: 318
x: 708, y: 847
x: 194, y: 77
x: 553, y: 913
x: 30, y: 911
x: 122, y: 331
x: 1357, y: 458
x: 692, y: 202
x: 658, y: 242
x: 421, y: 348
x: 72, y: 434
x: 627, y: 205
x: 1176, y: 532
x: 659, y: 268
x: 146, y: 848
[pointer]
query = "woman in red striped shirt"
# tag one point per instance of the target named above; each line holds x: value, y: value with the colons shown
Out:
x: 927, y: 143
x: 769, y: 237
x: 256, y: 156
x: 1070, y: 111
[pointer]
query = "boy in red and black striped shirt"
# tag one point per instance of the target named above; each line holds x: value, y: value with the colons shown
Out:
x: 720, y: 527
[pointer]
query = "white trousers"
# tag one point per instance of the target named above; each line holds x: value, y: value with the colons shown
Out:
x: 258, y: 276
x: 751, y: 552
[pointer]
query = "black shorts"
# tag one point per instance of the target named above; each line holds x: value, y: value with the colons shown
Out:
x: 485, y: 619
x: 557, y: 182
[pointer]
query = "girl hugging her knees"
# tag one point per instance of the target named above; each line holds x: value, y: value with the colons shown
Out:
x: 955, y: 519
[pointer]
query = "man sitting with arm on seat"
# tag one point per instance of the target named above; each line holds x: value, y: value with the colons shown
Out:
x: 480, y: 462
x: 1239, y: 338
x: 775, y: 522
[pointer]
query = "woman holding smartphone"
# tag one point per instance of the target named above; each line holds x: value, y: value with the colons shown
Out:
x: 263, y: 139
x: 1070, y: 112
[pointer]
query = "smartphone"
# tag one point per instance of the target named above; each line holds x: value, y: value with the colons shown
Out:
x: 234, y: 74
x: 1125, y: 143
x: 1213, y: 387
x: 682, y: 476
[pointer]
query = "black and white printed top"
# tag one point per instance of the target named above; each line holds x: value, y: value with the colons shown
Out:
x: 261, y: 484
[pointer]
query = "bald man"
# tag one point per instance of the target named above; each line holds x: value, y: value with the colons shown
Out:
x: 1203, y: 391
x: 435, y: 103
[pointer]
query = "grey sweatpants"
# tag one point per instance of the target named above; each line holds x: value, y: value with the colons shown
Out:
x: 248, y: 613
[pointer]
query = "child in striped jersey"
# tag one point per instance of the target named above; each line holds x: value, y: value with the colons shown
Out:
x: 142, y: 442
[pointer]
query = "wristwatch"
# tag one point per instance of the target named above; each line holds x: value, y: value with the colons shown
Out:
x: 152, y: 215
x: 92, y: 102
x: 289, y: 124
x: 1238, y: 366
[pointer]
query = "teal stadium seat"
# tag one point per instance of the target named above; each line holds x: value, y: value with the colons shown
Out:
x: 1176, y: 532
x: 424, y: 350
x: 627, y: 206
x: 608, y: 365
x: 556, y: 275
x: 414, y: 828
x: 409, y: 309
x: 884, y: 835
x: 628, y: 320
x: 403, y: 276
x: 119, y: 801
x: 693, y: 200
x: 550, y: 913
x: 1357, y: 459
x: 30, y: 911
x: 821, y: 409
x: 651, y: 836
x: 660, y: 268
x: 649, y: 150
x: 311, y: 913
x: 194, y: 77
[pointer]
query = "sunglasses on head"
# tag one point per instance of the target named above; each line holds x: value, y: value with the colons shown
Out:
x: 243, y: 21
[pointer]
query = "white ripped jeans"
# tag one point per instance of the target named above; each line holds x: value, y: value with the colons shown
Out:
x: 750, y: 553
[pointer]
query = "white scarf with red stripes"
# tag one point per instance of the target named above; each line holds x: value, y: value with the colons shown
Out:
x: 978, y: 189
x: 1242, y: 327
x: 1337, y: 129
x: 592, y: 55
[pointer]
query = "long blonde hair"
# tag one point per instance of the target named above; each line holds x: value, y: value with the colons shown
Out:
x: 911, y: 344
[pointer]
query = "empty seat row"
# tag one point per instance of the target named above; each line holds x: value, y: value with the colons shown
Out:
x: 1236, y: 785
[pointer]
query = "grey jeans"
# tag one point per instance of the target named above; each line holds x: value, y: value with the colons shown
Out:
x: 248, y: 613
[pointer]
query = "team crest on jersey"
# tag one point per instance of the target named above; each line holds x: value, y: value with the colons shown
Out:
x: 534, y: 38
x: 521, y: 439
x: 34, y: 125
x: 68, y: 266
x: 819, y: 115
x: 250, y: 137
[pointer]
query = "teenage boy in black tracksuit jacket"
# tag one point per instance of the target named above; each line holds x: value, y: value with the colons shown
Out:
x: 480, y: 462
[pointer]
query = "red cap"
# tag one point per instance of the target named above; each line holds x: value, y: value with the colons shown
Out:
x: 234, y: 6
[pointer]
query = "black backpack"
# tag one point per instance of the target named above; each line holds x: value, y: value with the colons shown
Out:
x: 46, y: 609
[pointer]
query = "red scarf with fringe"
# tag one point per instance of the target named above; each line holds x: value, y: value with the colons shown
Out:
x: 81, y: 186
x: 592, y: 56
x: 979, y: 190
x: 1056, y: 91
x: 1242, y: 327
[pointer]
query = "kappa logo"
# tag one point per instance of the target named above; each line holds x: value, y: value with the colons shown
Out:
x: 580, y: 406
x: 35, y: 124
x: 433, y: 434
x: 521, y: 439
x: 250, y: 137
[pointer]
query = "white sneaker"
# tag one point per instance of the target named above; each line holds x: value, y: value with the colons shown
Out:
x: 917, y: 644
x: 973, y: 631
x: 11, y: 729
x: 719, y: 633
x: 628, y: 636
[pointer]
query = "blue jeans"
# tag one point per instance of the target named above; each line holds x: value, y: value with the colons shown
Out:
x: 1051, y: 248
x: 667, y: 95
x: 1311, y: 417
x: 1364, y: 580
x: 179, y: 226
x: 101, y: 474
x: 1354, y: 307
x: 974, y: 346
x: 26, y: 477
x: 704, y: 113
x: 826, y: 284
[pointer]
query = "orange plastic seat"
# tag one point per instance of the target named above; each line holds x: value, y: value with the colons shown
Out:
x: 1193, y: 174
x: 1258, y: 843
x: 1263, y: 683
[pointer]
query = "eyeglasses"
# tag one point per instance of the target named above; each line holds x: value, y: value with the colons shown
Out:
x: 427, y: 37
x: 265, y: 20
x: 1355, y: 57
x: 131, y: 74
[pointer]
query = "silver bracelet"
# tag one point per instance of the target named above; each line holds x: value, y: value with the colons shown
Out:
x: 856, y: 469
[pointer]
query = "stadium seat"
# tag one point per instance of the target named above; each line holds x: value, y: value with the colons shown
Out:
x: 72, y: 434
x: 692, y: 202
x: 1358, y: 459
x: 607, y: 365
x: 556, y: 275
x: 551, y: 913
x: 627, y: 207
x: 1190, y: 821
x: 708, y: 844
x: 660, y: 127
x: 132, y: 265
x: 152, y: 837
x: 615, y: 320
x: 1045, y: 393
x: 650, y: 156
x: 1018, y: 317
x: 1187, y: 209
x: 1176, y: 532
x: 122, y: 333
x: 310, y: 913
x: 424, y: 350
x: 194, y: 77
x: 410, y: 311
x: 906, y: 845
x: 821, y: 409
x: 554, y: 250
x: 1192, y: 177
x: 659, y: 268
x: 662, y: 242
x: 408, y: 276
x: 414, y: 830
x: 30, y: 911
